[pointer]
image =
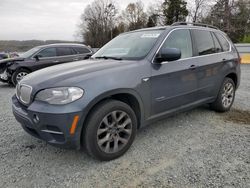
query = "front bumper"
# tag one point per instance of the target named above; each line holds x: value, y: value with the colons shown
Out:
x: 54, y: 128
x: 4, y: 76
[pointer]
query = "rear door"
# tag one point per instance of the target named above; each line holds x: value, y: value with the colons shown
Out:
x: 174, y: 83
x: 210, y: 57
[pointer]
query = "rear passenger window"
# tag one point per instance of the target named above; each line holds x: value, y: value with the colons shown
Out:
x: 81, y: 50
x: 217, y: 45
x: 225, y: 45
x: 64, y: 51
x: 204, y: 42
x: 180, y: 39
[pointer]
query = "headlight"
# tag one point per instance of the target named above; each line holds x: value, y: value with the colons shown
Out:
x: 60, y: 95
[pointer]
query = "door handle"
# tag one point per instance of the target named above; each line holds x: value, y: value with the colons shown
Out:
x: 192, y: 67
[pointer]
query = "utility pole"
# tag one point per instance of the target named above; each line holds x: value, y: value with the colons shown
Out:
x: 226, y: 16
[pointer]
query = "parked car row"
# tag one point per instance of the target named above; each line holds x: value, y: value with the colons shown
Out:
x: 12, y: 70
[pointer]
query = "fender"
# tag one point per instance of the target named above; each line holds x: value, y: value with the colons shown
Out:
x: 107, y: 94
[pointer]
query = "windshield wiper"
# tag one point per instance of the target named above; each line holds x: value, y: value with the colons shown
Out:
x: 109, y: 57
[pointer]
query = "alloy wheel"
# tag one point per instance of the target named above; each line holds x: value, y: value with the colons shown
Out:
x: 114, y: 131
x: 20, y: 76
x: 227, y: 95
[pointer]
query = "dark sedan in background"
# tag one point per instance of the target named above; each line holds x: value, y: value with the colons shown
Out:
x: 3, y: 56
x: 14, y: 69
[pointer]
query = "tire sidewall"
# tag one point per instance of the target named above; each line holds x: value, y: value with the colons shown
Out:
x: 14, y: 75
x: 90, y: 138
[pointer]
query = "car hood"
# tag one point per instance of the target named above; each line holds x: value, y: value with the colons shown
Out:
x: 72, y: 73
x: 4, y: 63
x: 11, y: 60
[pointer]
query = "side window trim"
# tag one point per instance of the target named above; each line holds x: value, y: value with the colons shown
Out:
x: 161, y: 44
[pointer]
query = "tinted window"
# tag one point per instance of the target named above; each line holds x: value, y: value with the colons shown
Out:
x: 223, y: 42
x: 48, y: 52
x: 204, y: 42
x: 217, y: 45
x: 81, y: 50
x: 180, y: 39
x: 64, y: 51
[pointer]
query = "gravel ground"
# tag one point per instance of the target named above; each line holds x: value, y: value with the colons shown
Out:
x: 199, y: 148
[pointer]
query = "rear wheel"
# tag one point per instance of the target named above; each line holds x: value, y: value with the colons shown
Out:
x: 110, y: 130
x: 225, y: 97
x: 18, y: 75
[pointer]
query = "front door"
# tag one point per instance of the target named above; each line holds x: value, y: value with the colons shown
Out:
x: 174, y: 84
x: 47, y: 57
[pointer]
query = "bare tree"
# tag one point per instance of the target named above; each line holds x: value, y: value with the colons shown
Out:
x: 97, y: 22
x: 155, y: 14
x: 135, y: 16
x: 198, y: 8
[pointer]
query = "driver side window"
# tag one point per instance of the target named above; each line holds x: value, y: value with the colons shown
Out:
x: 180, y: 39
x: 48, y: 52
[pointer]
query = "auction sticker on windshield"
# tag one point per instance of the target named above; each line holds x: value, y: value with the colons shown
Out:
x: 150, y: 35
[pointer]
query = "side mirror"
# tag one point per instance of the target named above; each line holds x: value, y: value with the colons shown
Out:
x: 168, y: 54
x: 37, y: 57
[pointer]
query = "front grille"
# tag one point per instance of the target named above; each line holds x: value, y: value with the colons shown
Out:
x: 23, y: 93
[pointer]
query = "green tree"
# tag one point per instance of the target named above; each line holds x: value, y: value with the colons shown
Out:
x: 233, y: 17
x: 174, y: 11
x: 152, y: 20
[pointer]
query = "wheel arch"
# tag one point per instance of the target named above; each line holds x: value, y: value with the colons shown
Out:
x: 234, y: 77
x: 15, y: 68
x: 128, y: 96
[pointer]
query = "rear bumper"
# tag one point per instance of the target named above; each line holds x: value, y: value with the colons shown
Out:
x: 54, y: 128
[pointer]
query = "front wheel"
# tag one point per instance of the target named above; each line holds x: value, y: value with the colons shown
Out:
x: 225, y: 97
x: 110, y: 130
x: 18, y: 75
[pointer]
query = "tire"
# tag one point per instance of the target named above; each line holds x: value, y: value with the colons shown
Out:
x: 110, y: 130
x: 225, y: 97
x: 18, y: 75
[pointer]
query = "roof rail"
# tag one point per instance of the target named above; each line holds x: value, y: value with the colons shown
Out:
x: 194, y: 24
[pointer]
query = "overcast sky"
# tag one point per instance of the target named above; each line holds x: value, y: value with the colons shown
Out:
x: 43, y: 19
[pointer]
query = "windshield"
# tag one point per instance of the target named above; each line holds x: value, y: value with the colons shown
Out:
x: 129, y: 46
x: 30, y: 52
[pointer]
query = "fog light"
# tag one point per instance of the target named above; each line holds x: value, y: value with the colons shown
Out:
x: 36, y: 118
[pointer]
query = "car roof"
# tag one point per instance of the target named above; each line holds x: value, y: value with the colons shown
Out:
x: 182, y: 26
x: 63, y: 44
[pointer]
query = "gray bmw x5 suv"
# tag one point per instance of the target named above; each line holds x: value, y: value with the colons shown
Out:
x: 137, y: 78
